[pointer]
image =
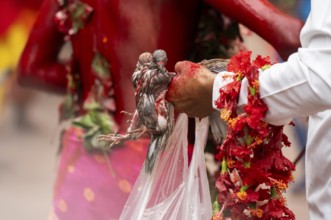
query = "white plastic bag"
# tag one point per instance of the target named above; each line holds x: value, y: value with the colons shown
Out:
x: 174, y: 190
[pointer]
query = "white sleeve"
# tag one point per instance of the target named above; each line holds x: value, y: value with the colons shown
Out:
x: 302, y: 85
x: 292, y: 89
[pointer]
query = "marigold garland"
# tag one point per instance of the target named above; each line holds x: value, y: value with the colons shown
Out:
x: 254, y: 173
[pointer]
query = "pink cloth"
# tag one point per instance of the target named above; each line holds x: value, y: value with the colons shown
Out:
x: 86, y: 187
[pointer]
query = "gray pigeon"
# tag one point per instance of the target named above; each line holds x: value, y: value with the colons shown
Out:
x: 153, y: 115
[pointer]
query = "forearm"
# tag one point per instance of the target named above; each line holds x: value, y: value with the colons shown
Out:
x: 280, y: 30
x: 290, y: 90
x: 39, y: 66
x: 302, y: 85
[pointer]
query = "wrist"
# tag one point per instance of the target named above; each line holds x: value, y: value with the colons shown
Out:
x: 220, y: 80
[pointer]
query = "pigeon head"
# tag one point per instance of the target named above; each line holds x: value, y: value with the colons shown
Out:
x: 160, y: 57
x: 145, y: 58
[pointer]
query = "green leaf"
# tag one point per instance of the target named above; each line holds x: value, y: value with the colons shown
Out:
x: 101, y: 66
x: 273, y: 193
x: 79, y: 14
x: 252, y: 91
x: 247, y: 164
x: 92, y: 131
x: 92, y: 105
x: 107, y: 125
x: 249, y: 140
x: 90, y: 139
x: 216, y: 207
x: 266, y: 67
x: 84, y: 121
x: 224, y: 166
x: 243, y: 188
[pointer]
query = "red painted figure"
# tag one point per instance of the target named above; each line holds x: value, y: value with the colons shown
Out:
x: 107, y: 37
x: 121, y: 30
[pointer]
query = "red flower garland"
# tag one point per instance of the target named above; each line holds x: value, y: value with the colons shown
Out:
x: 254, y: 174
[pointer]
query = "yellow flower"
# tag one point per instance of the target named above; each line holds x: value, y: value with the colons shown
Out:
x: 257, y: 212
x: 217, y: 216
x: 256, y: 84
x: 230, y: 163
x: 258, y: 140
x: 233, y: 121
x: 279, y: 184
x: 225, y: 114
x: 242, y: 195
x: 240, y: 76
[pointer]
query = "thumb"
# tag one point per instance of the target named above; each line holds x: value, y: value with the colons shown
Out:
x: 185, y: 66
x: 179, y: 66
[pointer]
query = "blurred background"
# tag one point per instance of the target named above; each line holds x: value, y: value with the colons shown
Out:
x: 29, y: 121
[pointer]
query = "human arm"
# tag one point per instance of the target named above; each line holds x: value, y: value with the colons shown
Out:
x: 261, y: 17
x: 39, y: 66
x: 289, y: 89
x: 277, y: 28
x: 300, y: 86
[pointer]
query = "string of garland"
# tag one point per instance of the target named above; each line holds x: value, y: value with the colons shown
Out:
x: 254, y: 172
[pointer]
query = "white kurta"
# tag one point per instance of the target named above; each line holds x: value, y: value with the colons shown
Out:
x: 300, y: 87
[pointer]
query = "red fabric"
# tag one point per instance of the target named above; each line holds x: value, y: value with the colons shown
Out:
x: 9, y: 12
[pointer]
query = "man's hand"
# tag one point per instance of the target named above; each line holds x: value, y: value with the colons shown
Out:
x: 191, y: 90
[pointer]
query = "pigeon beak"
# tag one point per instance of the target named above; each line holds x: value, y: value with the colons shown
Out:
x: 161, y: 63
